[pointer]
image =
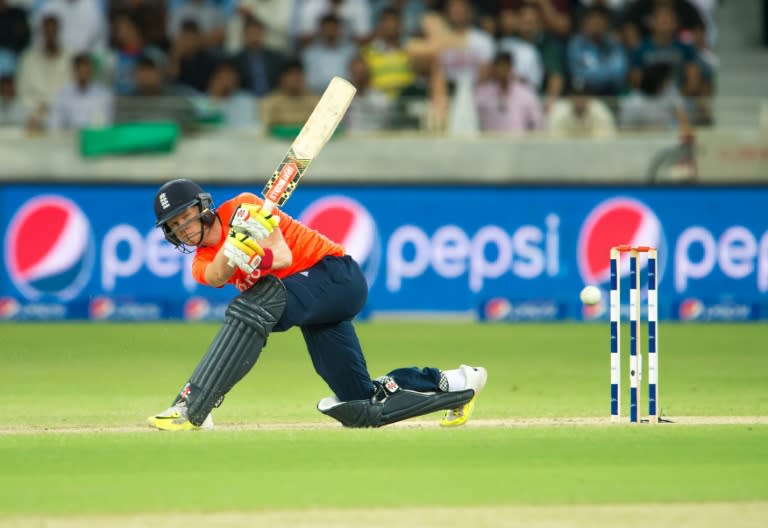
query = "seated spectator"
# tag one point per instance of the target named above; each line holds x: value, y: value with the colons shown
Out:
x: 277, y: 32
x: 525, y: 56
x: 82, y: 104
x: 285, y: 110
x: 153, y: 98
x: 657, y: 104
x: 551, y: 50
x: 327, y: 56
x: 387, y: 60
x: 237, y: 107
x: 641, y: 14
x: 83, y: 24
x: 12, y: 112
x: 370, y: 107
x: 209, y: 17
x: 129, y: 45
x: 663, y: 46
x: 44, y: 69
x: 505, y: 104
x: 595, y: 58
x: 190, y: 63
x: 258, y: 65
x: 354, y: 19
x: 14, y: 28
x: 581, y: 115
x: 150, y: 16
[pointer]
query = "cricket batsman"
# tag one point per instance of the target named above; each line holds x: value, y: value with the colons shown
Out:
x: 289, y: 275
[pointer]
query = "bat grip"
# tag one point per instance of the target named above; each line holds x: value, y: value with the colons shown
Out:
x: 268, y: 205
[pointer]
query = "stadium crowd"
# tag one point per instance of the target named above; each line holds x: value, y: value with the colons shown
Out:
x: 568, y: 67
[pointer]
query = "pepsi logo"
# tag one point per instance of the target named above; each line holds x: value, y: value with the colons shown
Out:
x: 9, y: 308
x: 496, y: 309
x: 49, y: 249
x: 347, y: 222
x: 196, y: 309
x: 614, y: 222
x: 101, y: 308
x: 690, y: 309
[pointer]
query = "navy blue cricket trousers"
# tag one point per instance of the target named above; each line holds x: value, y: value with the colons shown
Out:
x: 322, y: 301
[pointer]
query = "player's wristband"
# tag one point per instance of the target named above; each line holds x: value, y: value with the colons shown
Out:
x: 267, y: 259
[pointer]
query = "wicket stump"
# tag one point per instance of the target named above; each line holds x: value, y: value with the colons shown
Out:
x: 635, y: 348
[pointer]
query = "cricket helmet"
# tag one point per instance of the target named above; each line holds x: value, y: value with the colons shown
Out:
x: 174, y: 197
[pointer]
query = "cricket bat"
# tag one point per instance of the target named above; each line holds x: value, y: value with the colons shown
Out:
x: 315, y: 133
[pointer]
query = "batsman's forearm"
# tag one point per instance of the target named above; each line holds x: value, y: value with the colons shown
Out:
x: 282, y: 254
x: 219, y: 271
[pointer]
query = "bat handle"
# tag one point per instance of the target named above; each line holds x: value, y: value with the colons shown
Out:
x: 268, y: 205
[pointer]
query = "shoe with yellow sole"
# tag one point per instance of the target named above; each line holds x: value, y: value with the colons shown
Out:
x: 175, y: 419
x: 476, y: 377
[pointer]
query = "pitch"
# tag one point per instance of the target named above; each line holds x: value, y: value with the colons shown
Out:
x: 539, y: 451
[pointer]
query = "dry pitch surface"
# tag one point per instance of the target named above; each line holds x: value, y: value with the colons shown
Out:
x: 510, y: 423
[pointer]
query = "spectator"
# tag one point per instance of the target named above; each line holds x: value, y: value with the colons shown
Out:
x: 388, y: 62
x: 83, y: 25
x: 595, y: 58
x: 82, y: 104
x: 370, y: 107
x: 657, y: 104
x: 190, y: 63
x: 209, y: 18
x: 151, y: 16
x: 555, y: 14
x: 410, y: 14
x: 581, y: 115
x: 14, y: 28
x: 525, y: 56
x: 505, y: 104
x: 641, y: 14
x: 354, y: 17
x: 327, y: 56
x: 457, y: 51
x: 663, y: 46
x: 153, y: 98
x: 551, y: 51
x: 237, y: 107
x: 258, y: 65
x: 285, y: 110
x: 129, y: 45
x: 44, y: 69
x: 12, y: 112
x: 277, y: 32
x: 707, y: 63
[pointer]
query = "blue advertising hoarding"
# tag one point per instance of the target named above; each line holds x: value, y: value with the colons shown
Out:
x: 514, y: 253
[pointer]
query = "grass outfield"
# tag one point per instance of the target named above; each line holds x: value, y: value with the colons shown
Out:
x: 98, y: 382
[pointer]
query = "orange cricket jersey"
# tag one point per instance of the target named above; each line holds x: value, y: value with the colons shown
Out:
x: 307, y: 246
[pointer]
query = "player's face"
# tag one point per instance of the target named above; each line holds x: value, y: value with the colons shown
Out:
x: 187, y: 226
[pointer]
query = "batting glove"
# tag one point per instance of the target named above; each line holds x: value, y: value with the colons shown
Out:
x: 245, y: 253
x: 254, y: 220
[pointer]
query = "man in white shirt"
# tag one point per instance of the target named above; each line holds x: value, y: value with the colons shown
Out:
x: 83, y: 103
x: 44, y: 69
x: 83, y: 24
x: 327, y: 56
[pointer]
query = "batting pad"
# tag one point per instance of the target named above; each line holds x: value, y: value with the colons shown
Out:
x: 249, y: 319
x: 391, y: 404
